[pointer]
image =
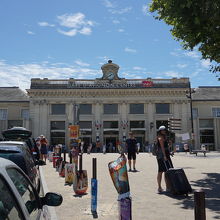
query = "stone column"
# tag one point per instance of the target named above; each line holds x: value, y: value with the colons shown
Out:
x: 35, y: 118
x: 151, y: 118
x: 123, y: 130
x: 98, y: 119
x: 44, y: 124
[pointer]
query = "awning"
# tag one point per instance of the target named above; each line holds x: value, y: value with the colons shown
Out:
x: 138, y: 129
x: 111, y: 129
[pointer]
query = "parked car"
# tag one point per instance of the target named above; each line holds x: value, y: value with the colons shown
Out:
x: 19, y: 153
x: 19, y: 200
x: 22, y: 134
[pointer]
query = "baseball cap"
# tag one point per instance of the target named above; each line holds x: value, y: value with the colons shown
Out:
x: 162, y: 128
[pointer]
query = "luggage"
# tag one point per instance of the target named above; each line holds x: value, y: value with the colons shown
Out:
x: 177, y: 181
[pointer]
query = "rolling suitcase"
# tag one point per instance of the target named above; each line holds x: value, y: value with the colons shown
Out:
x: 177, y: 181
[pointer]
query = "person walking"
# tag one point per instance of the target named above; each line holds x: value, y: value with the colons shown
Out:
x: 163, y: 157
x: 43, y: 148
x: 131, y: 145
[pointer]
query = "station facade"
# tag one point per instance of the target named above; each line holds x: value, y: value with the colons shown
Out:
x: 107, y: 108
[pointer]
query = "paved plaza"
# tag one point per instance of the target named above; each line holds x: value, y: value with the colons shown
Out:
x: 202, y: 172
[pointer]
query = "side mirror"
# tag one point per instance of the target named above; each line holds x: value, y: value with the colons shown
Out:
x: 52, y: 199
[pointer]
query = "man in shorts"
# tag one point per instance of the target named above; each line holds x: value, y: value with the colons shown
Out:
x: 131, y: 145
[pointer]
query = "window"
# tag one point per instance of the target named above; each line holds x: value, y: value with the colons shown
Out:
x: 8, y: 206
x: 85, y: 109
x: 110, y: 124
x: 161, y: 122
x: 58, y: 109
x: 25, y: 190
x: 15, y: 123
x: 57, y: 137
x: 207, y: 133
x: 207, y: 136
x: 57, y: 132
x: 216, y: 112
x: 85, y: 124
x: 3, y: 114
x: 136, y: 108
x: 206, y: 123
x: 110, y: 108
x: 25, y: 114
x: 137, y: 124
x: 57, y: 125
x: 195, y: 113
x: 162, y: 108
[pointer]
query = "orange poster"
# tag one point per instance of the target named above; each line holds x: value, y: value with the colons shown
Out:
x: 74, y: 131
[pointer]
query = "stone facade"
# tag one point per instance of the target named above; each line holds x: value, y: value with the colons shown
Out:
x: 110, y: 89
x: 110, y: 107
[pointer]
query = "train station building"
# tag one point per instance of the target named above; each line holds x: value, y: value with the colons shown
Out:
x: 107, y: 108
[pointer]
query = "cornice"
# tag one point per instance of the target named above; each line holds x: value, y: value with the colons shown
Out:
x: 89, y: 93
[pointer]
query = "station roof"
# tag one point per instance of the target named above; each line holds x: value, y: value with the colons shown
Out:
x: 207, y: 93
x: 13, y: 94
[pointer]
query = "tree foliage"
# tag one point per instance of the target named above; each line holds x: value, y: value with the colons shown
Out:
x: 195, y: 23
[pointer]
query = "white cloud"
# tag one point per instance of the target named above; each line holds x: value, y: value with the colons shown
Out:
x: 129, y: 50
x: 21, y: 74
x: 138, y: 68
x: 109, y: 4
x: 179, y: 65
x: 173, y: 74
x: 192, y: 54
x: 45, y: 24
x: 30, y: 33
x: 145, y: 10
x: 206, y: 63
x: 85, y: 31
x: 77, y: 24
x: 121, y: 30
x: 115, y: 21
x: 80, y: 63
x: 69, y: 33
x: 120, y: 11
x: 74, y: 20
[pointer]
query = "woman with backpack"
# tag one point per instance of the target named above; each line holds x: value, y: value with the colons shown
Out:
x: 163, y: 156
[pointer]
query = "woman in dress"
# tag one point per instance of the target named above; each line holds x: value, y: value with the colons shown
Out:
x: 163, y: 158
x: 43, y: 148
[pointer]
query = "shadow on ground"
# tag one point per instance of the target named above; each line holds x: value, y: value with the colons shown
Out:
x: 211, y: 186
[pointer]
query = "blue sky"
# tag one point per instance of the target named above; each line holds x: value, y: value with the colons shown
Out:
x: 72, y: 39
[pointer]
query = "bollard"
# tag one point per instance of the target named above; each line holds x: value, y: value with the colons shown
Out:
x: 94, y: 187
x: 199, y: 205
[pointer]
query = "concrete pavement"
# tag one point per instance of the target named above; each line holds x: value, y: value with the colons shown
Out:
x: 202, y: 172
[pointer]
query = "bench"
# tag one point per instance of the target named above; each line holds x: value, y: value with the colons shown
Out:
x: 199, y: 151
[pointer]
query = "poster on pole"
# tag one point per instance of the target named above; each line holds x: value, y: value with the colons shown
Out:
x: 74, y: 131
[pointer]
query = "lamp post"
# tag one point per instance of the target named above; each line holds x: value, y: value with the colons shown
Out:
x: 189, y: 95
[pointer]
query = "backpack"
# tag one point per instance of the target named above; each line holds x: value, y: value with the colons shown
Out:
x: 155, y: 148
x: 156, y: 151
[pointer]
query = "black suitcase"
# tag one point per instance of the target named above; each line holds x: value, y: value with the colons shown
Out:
x: 177, y: 181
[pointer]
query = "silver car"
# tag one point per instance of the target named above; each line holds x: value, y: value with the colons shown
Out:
x: 19, y: 200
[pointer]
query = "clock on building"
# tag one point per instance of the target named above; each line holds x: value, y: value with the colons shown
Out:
x: 110, y: 75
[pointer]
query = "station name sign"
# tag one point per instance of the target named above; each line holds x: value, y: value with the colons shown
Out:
x: 129, y: 84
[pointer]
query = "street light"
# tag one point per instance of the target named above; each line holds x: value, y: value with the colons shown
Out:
x: 189, y: 96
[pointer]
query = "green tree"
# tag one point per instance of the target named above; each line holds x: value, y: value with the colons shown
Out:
x: 195, y: 23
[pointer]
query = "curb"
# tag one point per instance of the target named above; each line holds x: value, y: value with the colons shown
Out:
x: 48, y: 209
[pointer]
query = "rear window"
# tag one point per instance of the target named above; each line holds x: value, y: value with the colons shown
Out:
x: 9, y: 148
x: 15, y: 133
